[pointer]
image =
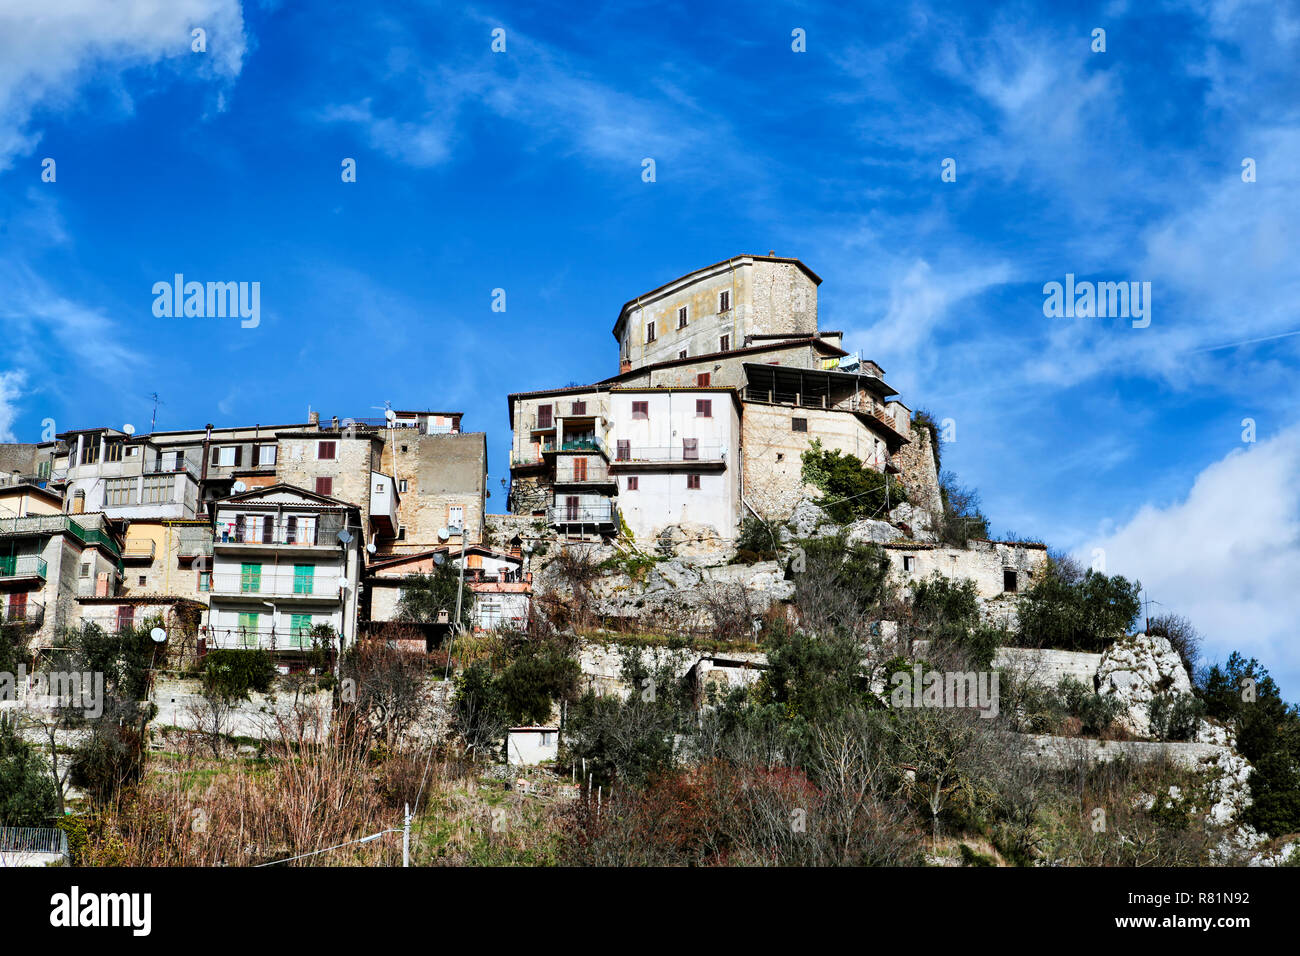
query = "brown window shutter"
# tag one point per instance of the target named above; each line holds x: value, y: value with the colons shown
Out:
x: 325, y: 486
x: 239, y: 455
x: 215, y: 456
x: 702, y: 380
x: 624, y: 449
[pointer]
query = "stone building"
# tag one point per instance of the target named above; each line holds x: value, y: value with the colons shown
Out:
x: 746, y: 325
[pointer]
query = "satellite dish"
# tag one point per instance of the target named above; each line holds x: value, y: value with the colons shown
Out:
x: 439, y: 558
x: 442, y: 534
x: 128, y: 429
x: 370, y: 548
x: 344, y: 584
x: 345, y: 535
x: 158, y: 635
x: 238, y: 487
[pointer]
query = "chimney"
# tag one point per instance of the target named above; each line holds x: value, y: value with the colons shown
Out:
x: 625, y: 366
x: 334, y: 423
x: 313, y: 418
x: 771, y: 252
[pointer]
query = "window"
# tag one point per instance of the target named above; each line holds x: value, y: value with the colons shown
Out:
x: 704, y: 408
x: 266, y: 454
x: 325, y: 450
x: 724, y: 300
x: 133, y: 451
x: 300, y: 630
x: 579, y: 408
x: 303, y: 576
x: 798, y: 424
x: 325, y: 486
x: 681, y: 317
x: 401, y: 532
x: 119, y: 492
x: 1009, y: 580
x: 113, y: 452
x: 248, y: 628
x: 909, y: 562
x: 44, y: 469
x: 85, y: 570
x: 543, y: 416
x: 228, y: 457
x: 692, y: 482
x: 239, y: 528
x: 18, y: 606
x: 724, y: 344
x: 702, y: 380
x: 401, y: 486
x: 649, y: 332
x: 640, y: 410
x: 291, y: 530
x: 250, y: 578
x: 624, y: 451
x: 90, y: 452
x: 682, y: 354
x: 690, y: 449
x: 456, y: 517
x: 633, y: 482
x: 579, y: 469
x: 125, y: 616
x: 158, y: 489
x: 571, y: 508
x: 268, y: 529
x: 205, y: 580
x: 143, y: 580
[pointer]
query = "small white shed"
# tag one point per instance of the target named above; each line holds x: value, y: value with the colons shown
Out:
x: 527, y: 746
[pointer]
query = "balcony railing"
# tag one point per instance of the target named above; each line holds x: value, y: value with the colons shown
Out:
x: 57, y: 524
x: 284, y: 638
x: 138, y: 550
x: 169, y: 466
x: 703, y: 451
x: 31, y: 613
x: 602, y: 514
x: 302, y: 535
x: 277, y: 583
x: 22, y: 566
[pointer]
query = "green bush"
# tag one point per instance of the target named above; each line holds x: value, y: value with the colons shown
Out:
x: 947, y: 612
x: 1086, y: 615
x: 1094, y: 712
x: 757, y: 541
x: 1175, y: 716
x: 850, y: 490
x: 27, y: 797
x: 234, y: 674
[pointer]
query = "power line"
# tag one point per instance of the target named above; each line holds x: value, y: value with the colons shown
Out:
x: 303, y: 856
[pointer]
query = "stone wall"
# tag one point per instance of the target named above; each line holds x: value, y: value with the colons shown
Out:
x: 181, y: 700
x: 920, y: 475
x: 984, y: 562
x: 298, y: 463
x: 1048, y: 667
x: 440, y: 471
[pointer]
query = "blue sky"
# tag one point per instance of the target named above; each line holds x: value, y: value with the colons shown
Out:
x: 522, y: 171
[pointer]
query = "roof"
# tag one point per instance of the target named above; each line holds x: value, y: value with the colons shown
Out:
x: 391, y: 560
x: 28, y: 488
x: 284, y: 486
x: 817, y: 280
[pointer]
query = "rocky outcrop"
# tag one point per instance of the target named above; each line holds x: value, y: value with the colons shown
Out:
x: 1137, y: 669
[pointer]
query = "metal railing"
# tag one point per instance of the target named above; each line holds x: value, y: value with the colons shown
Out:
x: 58, y: 524
x: 33, y: 840
x: 31, y: 613
x: 304, y: 533
x: 277, y: 583
x: 269, y: 638
x: 22, y: 566
x: 590, y: 514
x: 702, y: 451
x: 169, y: 466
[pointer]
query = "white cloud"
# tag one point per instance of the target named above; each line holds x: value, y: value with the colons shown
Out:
x: 49, y: 50
x: 11, y: 389
x: 1227, y: 556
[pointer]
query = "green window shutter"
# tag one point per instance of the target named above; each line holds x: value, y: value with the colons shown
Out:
x: 248, y: 628
x: 300, y: 630
x: 302, y: 578
x: 250, y: 577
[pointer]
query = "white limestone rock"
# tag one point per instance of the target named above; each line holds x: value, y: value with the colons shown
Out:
x: 1136, y: 669
x: 869, y: 531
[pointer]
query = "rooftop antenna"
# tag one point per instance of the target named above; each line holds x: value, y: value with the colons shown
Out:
x: 153, y: 422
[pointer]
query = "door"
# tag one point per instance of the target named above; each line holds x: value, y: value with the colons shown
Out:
x: 248, y: 628
x: 571, y: 508
x: 250, y: 578
x: 300, y: 630
x: 579, y: 469
x: 303, y: 578
x: 18, y: 606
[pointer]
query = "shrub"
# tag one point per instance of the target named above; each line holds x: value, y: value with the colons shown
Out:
x: 757, y: 541
x: 27, y: 797
x: 961, y: 519
x: 1083, y: 616
x: 233, y: 674
x: 1175, y: 716
x: 850, y: 490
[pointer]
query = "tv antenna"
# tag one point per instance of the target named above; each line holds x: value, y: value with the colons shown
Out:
x: 153, y: 421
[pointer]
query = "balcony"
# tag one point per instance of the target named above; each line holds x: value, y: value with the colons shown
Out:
x: 18, y: 567
x: 302, y: 534
x: 28, y: 612
x: 280, y: 584
x: 57, y: 524
x: 139, y: 551
x: 582, y: 471
x: 265, y: 637
x: 596, y: 515
x: 701, y: 454
x: 169, y: 466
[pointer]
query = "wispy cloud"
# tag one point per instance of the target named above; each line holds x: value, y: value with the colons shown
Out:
x: 11, y: 390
